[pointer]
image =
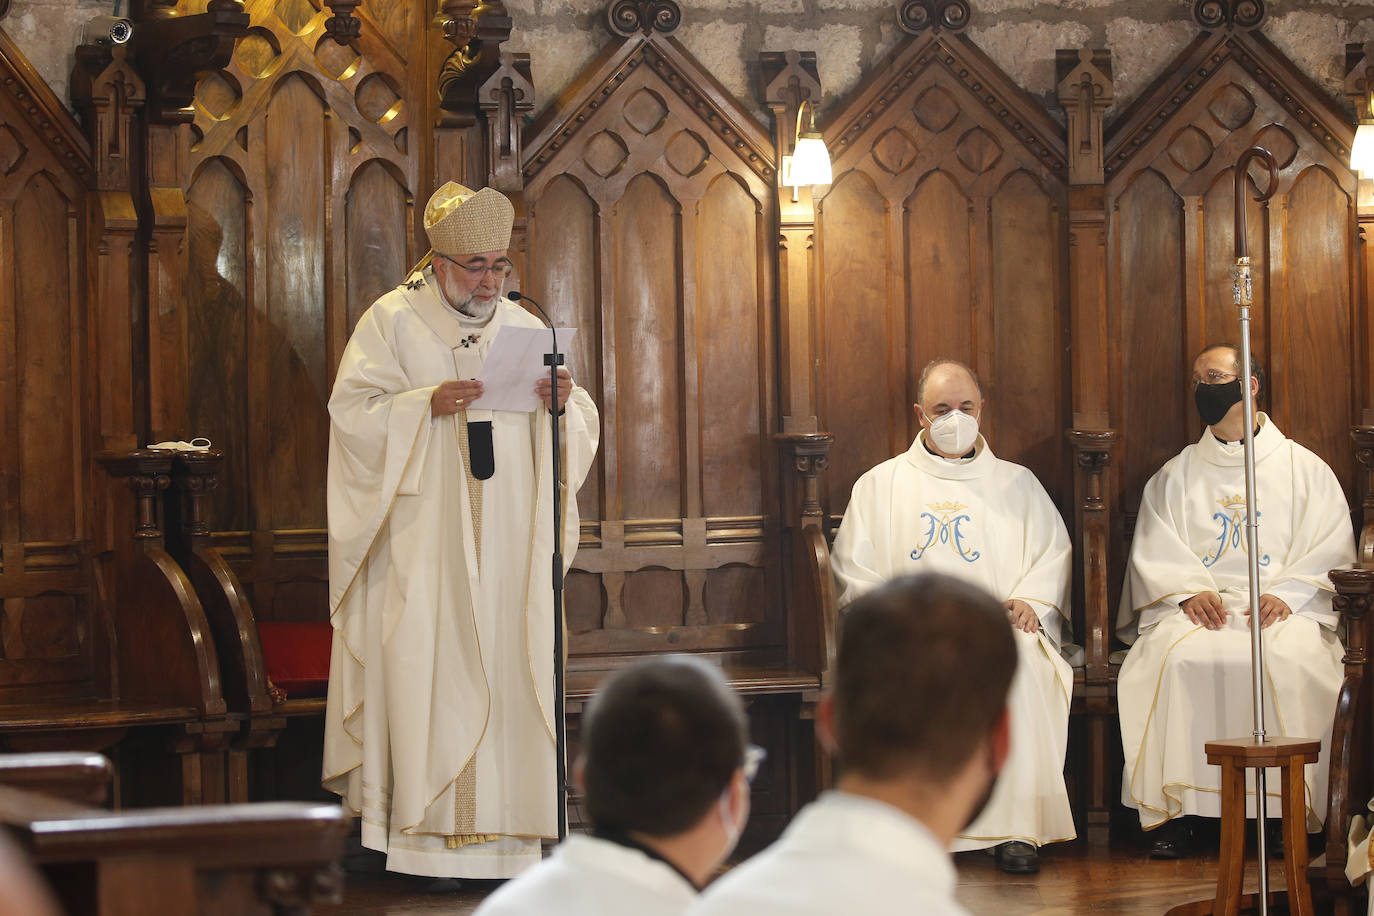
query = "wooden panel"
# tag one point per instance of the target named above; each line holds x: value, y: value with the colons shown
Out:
x: 940, y: 288
x: 1219, y: 321
x: 1313, y: 325
x: 44, y: 332
x: 967, y: 196
x: 217, y: 331
x: 1026, y: 389
x: 51, y: 626
x: 1235, y: 91
x: 565, y: 275
x: 655, y: 598
x: 728, y: 331
x: 1147, y: 227
x: 297, y: 375
x: 854, y: 365
x: 650, y: 365
x: 376, y: 236
x: 647, y: 193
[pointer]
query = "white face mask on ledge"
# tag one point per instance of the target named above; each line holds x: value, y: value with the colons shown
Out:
x: 954, y: 433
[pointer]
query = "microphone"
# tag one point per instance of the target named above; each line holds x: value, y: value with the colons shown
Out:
x: 516, y: 296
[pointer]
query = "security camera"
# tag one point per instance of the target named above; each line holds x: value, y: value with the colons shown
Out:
x: 106, y: 30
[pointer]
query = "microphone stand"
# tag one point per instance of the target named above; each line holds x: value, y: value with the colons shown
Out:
x: 553, y: 360
x: 1241, y: 292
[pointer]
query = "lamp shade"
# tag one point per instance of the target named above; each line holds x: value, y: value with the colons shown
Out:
x: 1362, y: 150
x: 811, y: 161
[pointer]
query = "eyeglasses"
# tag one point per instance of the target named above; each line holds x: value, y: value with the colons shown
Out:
x: 1213, y: 377
x: 500, y: 270
x: 753, y: 759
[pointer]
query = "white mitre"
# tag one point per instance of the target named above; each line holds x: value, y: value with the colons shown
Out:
x: 460, y: 221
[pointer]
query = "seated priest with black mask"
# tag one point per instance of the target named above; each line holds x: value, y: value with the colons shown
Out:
x: 665, y: 772
x: 949, y: 505
x: 1185, y: 610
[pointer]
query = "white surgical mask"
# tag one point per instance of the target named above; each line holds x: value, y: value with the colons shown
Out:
x: 954, y: 433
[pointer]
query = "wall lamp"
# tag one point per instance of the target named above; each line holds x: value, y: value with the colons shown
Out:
x: 810, y: 160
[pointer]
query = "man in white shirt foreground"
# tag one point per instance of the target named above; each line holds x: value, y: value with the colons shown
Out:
x: 919, y: 721
x: 664, y: 770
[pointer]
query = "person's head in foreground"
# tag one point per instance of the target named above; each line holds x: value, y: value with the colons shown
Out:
x: 918, y: 714
x: 664, y: 765
x: 664, y: 773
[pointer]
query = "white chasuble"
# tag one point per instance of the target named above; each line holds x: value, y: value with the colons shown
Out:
x: 991, y: 523
x: 1183, y: 685
x: 438, y: 729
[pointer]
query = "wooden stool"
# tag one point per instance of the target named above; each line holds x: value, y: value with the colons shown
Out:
x: 1235, y: 756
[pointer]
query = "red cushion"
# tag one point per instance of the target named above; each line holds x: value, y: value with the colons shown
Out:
x: 296, y: 656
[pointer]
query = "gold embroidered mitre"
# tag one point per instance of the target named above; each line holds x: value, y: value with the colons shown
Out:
x: 461, y: 221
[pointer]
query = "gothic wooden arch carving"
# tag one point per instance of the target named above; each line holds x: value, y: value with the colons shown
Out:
x: 943, y: 235
x: 1171, y: 248
x: 298, y: 173
x: 649, y: 192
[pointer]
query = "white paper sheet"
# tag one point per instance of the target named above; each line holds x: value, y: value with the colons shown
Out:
x: 514, y: 363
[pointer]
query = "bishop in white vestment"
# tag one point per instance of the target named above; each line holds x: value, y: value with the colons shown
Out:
x: 1187, y: 678
x: 438, y: 729
x: 991, y: 523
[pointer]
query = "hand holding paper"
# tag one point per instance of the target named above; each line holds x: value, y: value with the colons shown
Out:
x: 515, y: 365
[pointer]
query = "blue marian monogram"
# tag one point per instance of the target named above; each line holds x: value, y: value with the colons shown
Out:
x: 1232, y: 534
x: 945, y: 522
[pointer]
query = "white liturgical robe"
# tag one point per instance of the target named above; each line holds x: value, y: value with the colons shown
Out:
x: 438, y: 729
x: 842, y: 853
x: 1183, y: 685
x: 588, y: 876
x: 991, y: 523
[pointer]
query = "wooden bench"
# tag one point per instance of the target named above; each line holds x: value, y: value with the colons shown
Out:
x: 266, y: 858
x: 155, y: 701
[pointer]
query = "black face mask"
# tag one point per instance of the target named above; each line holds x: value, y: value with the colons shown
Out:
x: 1213, y: 401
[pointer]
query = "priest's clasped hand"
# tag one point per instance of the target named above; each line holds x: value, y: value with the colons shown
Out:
x: 1022, y: 616
x: 452, y: 396
x: 565, y: 386
x: 1205, y: 610
x: 1272, y: 610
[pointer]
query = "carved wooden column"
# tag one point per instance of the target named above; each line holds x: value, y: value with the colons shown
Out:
x: 459, y: 62
x: 147, y: 473
x: 172, y: 53
x: 1085, y: 91
x: 110, y: 97
x: 1351, y: 780
x: 791, y: 79
x: 1359, y: 79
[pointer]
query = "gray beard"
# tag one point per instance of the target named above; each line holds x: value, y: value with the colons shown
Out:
x: 480, y: 313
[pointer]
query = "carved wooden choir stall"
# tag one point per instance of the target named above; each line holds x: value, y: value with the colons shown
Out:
x: 190, y: 257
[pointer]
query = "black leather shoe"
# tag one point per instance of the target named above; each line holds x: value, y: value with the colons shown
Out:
x: 1017, y: 858
x: 1171, y: 840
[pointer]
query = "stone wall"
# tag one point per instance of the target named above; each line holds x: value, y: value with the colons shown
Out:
x: 848, y: 36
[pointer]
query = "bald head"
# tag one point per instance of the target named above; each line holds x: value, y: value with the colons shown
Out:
x: 945, y: 376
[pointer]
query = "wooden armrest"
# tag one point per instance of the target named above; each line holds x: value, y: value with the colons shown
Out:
x: 279, y: 834
x: 79, y: 777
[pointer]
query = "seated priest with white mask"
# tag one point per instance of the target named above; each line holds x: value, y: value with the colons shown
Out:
x: 1185, y: 610
x: 664, y: 773
x: 949, y: 505
x: 438, y: 730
